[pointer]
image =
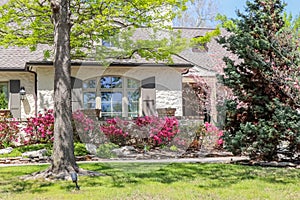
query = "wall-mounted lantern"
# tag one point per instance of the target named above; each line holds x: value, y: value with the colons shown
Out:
x: 22, y: 93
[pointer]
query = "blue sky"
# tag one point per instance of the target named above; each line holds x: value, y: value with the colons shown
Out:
x: 228, y: 7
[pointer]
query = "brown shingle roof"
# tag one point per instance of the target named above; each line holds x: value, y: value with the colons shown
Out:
x: 15, y: 58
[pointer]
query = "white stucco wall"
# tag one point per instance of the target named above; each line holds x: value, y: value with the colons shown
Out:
x: 45, y: 87
x: 168, y: 82
x: 27, y: 81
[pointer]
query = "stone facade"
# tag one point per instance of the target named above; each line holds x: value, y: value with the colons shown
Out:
x: 169, y: 99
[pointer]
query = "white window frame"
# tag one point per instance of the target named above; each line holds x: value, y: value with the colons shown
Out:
x: 124, y: 90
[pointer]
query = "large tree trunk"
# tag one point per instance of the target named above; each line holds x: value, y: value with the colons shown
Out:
x: 63, y: 147
x: 63, y: 158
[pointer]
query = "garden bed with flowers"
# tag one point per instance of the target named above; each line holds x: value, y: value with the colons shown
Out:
x: 167, y: 137
x: 149, y: 133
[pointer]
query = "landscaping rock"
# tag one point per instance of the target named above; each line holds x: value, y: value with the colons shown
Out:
x: 6, y: 150
x: 124, y: 151
x: 35, y: 154
x: 91, y: 148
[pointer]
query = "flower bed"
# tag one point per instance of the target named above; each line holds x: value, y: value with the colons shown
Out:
x: 147, y: 131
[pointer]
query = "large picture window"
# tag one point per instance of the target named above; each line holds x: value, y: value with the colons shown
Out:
x: 116, y: 96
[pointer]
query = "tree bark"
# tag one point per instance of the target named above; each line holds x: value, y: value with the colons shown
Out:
x: 63, y: 147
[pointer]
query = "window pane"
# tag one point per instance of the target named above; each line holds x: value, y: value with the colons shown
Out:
x: 111, y: 96
x: 4, y: 88
x: 133, y: 102
x: 111, y: 82
x: 89, y: 100
x: 106, y: 107
x: 131, y: 83
x: 106, y: 96
x: 111, y: 102
x: 133, y: 107
x: 89, y: 84
x: 116, y: 82
x: 105, y: 82
x: 117, y: 107
x: 116, y: 96
x: 133, y: 96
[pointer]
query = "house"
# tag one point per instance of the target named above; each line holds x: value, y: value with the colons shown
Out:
x: 126, y: 88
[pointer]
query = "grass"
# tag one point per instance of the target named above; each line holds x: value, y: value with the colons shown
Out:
x: 158, y: 181
x: 79, y: 150
x: 17, y: 151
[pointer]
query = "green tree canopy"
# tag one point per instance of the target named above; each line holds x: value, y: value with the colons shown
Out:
x: 30, y: 22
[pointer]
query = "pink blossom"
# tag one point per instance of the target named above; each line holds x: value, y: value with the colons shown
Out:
x: 40, y: 128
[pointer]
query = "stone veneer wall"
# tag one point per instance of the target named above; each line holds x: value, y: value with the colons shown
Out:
x: 169, y: 99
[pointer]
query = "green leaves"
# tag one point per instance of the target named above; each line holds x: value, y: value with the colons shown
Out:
x: 25, y: 23
x: 28, y: 23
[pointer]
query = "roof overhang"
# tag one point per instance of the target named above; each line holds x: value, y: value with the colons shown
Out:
x: 112, y: 64
x: 12, y: 69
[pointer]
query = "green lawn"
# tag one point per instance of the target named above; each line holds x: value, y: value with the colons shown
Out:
x: 158, y: 181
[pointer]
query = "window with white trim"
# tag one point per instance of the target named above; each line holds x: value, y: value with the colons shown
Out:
x: 4, y: 90
x: 115, y: 95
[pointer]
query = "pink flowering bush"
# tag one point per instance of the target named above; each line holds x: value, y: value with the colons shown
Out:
x: 87, y: 130
x: 9, y: 131
x: 115, y: 130
x: 213, y: 134
x: 40, y: 129
x: 162, y: 131
x: 148, y: 131
x: 86, y: 123
x: 181, y: 142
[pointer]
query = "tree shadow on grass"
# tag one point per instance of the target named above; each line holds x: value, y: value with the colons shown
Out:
x: 279, y: 175
x: 19, y: 186
x: 205, y: 175
x: 125, y: 174
x: 11, y: 182
x: 218, y: 175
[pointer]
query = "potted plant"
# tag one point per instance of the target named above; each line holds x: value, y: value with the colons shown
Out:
x: 162, y: 112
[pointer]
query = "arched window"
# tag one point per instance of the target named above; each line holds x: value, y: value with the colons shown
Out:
x: 114, y: 95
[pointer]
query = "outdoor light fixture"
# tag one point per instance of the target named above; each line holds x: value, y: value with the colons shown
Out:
x: 74, y: 179
x: 22, y: 93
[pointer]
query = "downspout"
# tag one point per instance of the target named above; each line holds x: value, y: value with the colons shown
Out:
x: 35, y: 88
